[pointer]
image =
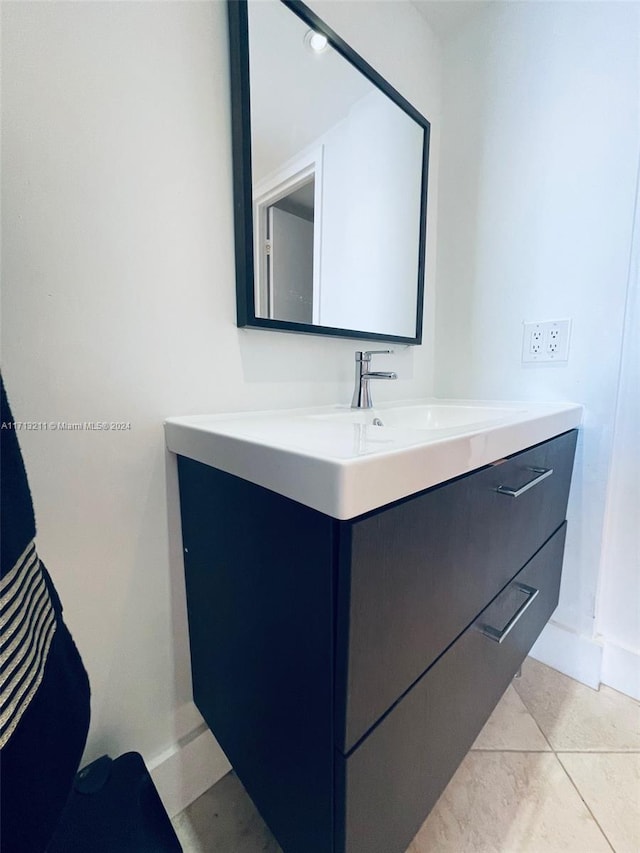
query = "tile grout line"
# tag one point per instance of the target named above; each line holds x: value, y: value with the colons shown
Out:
x: 557, y: 752
x: 566, y: 772
x: 598, y: 751
x: 499, y: 749
x: 586, y: 805
x: 531, y: 714
x: 631, y: 751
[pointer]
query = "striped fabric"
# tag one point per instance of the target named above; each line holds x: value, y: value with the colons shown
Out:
x: 27, y: 626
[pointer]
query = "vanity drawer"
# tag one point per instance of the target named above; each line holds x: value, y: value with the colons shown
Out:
x: 412, y: 577
x: 393, y: 779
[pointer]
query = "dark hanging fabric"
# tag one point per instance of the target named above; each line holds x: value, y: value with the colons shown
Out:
x: 44, y: 688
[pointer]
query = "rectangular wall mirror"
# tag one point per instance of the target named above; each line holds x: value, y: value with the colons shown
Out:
x: 330, y: 182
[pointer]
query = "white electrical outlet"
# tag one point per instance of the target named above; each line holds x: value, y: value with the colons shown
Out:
x: 546, y: 341
x: 535, y: 341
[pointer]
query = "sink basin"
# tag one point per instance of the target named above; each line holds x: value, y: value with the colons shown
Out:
x: 431, y: 416
x: 345, y: 462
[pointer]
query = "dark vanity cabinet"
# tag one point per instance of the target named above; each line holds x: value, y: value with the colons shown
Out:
x: 346, y: 667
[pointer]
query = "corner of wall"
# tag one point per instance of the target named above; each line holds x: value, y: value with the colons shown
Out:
x: 621, y: 669
x: 187, y: 769
x: 572, y: 654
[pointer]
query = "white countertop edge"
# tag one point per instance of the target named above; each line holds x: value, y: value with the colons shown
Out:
x: 347, y: 488
x: 424, y: 467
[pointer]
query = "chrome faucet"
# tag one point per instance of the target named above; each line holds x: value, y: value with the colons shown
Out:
x: 361, y: 394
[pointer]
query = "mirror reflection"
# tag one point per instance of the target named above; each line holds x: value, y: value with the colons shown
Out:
x: 289, y: 256
x: 337, y: 186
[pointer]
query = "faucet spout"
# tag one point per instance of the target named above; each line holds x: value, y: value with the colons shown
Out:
x: 361, y: 394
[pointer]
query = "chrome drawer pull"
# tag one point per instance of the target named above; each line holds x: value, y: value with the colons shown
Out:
x: 542, y: 474
x: 498, y: 636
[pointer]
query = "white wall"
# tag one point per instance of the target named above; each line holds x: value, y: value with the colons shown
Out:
x: 369, y: 255
x: 618, y: 612
x: 119, y: 304
x: 537, y: 183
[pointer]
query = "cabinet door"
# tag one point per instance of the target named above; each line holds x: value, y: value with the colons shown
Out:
x: 394, y: 777
x: 414, y: 576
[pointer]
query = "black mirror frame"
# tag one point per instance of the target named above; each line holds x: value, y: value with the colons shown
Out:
x: 242, y: 172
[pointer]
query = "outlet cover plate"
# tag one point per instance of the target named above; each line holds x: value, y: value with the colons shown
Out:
x: 546, y: 341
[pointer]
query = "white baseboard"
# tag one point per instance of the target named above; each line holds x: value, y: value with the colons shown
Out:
x: 185, y: 771
x: 621, y: 669
x: 591, y: 661
x: 576, y: 656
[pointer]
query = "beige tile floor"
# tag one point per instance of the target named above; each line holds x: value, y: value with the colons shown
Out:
x: 555, y: 770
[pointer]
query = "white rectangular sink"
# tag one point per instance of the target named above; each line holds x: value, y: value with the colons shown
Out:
x: 345, y: 462
x: 440, y: 416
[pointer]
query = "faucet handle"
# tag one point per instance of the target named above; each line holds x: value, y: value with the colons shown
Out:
x: 366, y: 356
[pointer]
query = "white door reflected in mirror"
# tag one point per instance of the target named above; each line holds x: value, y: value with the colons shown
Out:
x: 290, y: 265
